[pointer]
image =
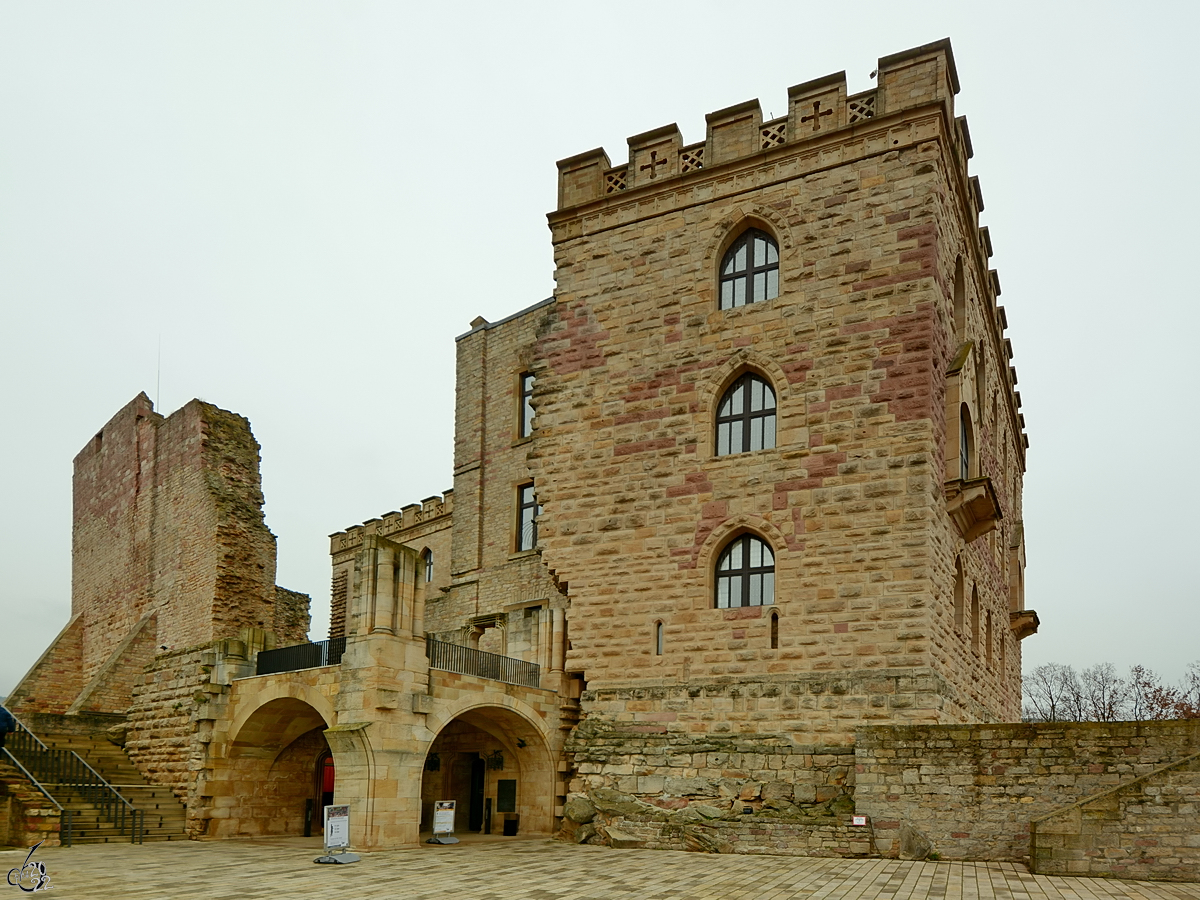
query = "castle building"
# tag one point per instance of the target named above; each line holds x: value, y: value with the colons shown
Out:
x: 749, y: 482
x: 751, y: 478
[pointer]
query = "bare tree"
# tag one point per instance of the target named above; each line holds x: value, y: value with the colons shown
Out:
x: 1055, y: 693
x: 1189, y: 701
x: 1149, y: 698
x: 1105, y: 694
x: 1052, y: 694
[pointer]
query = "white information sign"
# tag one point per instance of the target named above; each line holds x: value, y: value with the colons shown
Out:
x: 443, y: 816
x: 337, y: 827
x: 858, y: 820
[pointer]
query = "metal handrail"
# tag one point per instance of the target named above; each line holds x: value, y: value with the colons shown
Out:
x: 300, y: 656
x: 469, y: 661
x: 64, y: 815
x: 67, y: 769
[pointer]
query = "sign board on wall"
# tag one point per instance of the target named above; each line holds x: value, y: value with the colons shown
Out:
x: 443, y: 816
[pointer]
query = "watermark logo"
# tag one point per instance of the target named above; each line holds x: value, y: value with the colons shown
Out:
x: 30, y: 876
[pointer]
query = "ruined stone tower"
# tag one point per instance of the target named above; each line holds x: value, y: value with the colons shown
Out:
x: 170, y: 555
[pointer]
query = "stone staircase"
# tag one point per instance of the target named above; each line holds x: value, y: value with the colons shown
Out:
x: 165, y: 818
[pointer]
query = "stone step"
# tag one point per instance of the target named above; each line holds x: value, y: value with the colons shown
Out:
x: 164, y: 815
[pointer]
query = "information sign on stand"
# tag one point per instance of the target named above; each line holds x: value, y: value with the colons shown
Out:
x: 337, y: 836
x: 443, y: 823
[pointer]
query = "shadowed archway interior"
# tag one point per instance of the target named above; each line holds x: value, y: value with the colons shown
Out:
x: 496, y: 767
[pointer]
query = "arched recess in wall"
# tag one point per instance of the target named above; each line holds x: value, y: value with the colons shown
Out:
x: 658, y: 638
x: 497, y: 764
x: 975, y: 618
x: 959, y: 298
x: 980, y: 381
x: 959, y: 594
x: 988, y: 637
x: 790, y: 412
x: 271, y: 763
x: 774, y: 629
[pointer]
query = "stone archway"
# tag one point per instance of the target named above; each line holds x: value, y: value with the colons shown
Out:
x: 266, y: 781
x: 497, y: 766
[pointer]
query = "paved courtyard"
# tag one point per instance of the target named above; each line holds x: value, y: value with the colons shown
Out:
x: 540, y: 869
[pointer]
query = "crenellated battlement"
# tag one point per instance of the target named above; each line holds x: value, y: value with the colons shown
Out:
x: 912, y: 104
x: 816, y: 109
x: 431, y: 510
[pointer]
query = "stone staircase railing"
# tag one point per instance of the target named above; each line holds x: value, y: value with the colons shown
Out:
x: 64, y: 815
x: 66, y: 778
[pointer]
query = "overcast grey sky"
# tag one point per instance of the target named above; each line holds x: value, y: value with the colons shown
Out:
x: 305, y: 202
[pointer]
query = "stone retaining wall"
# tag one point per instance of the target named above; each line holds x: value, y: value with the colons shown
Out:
x: 26, y: 816
x: 729, y: 793
x: 971, y: 791
x: 1148, y: 829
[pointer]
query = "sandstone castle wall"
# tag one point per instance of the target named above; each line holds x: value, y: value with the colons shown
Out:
x: 972, y: 791
x: 883, y: 286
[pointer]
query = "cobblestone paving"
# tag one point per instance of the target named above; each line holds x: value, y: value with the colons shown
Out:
x: 538, y: 869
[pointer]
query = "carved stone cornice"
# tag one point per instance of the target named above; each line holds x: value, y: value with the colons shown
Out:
x: 973, y: 506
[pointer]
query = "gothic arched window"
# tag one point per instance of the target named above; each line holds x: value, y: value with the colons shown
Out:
x: 428, y: 559
x: 746, y: 417
x: 745, y: 573
x: 966, y: 443
x: 750, y: 270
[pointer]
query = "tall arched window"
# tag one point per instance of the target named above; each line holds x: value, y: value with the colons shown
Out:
x: 750, y: 270
x: 745, y: 573
x: 960, y: 301
x: 959, y: 595
x: 966, y: 442
x: 774, y: 631
x: 746, y: 417
x: 658, y: 638
x: 975, y: 618
x: 428, y: 558
x: 988, y: 638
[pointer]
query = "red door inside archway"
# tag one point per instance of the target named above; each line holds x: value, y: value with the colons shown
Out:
x: 325, y: 778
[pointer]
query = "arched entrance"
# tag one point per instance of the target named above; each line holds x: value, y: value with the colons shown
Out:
x: 496, y: 766
x: 326, y: 778
x: 277, y: 769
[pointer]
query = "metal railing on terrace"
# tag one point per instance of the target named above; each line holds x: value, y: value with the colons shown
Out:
x: 67, y: 774
x: 469, y: 661
x: 301, y: 656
